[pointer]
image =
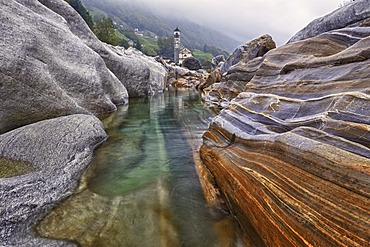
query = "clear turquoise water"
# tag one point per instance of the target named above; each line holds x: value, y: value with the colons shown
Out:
x: 142, y: 188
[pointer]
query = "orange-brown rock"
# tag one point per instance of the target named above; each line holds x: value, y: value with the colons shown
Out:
x: 213, y: 77
x: 291, y: 154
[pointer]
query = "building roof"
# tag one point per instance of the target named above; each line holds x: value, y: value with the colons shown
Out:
x: 177, y: 30
x: 184, y: 48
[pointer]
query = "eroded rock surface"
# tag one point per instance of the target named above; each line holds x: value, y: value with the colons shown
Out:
x: 291, y: 153
x: 141, y: 75
x: 46, y: 71
x: 59, y: 150
x: 238, y: 70
x: 250, y: 50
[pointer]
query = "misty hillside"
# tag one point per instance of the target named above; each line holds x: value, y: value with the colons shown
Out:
x: 133, y: 15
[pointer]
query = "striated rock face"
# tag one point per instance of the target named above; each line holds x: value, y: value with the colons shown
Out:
x: 46, y: 71
x: 255, y: 48
x: 331, y: 63
x: 241, y: 66
x: 354, y: 14
x: 141, y: 75
x: 291, y: 154
x: 59, y: 151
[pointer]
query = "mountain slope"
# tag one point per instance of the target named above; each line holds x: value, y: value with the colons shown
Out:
x: 138, y: 16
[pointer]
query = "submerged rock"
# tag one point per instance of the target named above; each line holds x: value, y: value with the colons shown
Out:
x: 59, y: 151
x: 291, y: 154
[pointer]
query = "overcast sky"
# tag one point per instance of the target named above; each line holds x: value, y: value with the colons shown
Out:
x: 247, y: 19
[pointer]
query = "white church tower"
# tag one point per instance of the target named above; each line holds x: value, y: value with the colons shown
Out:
x: 177, y: 45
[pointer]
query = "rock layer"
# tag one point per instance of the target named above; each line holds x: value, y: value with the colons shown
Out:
x: 252, y: 49
x: 238, y: 70
x: 59, y: 150
x: 291, y: 154
x: 353, y: 14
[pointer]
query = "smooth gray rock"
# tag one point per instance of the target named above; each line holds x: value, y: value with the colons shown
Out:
x: 60, y: 149
x: 141, y: 65
x: 354, y: 14
x: 142, y: 76
x: 46, y: 71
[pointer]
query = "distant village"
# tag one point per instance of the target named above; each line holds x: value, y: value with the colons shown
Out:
x: 181, y: 52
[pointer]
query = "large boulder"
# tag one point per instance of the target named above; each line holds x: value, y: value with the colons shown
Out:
x: 46, y: 71
x: 238, y: 70
x: 250, y: 50
x: 291, y: 154
x: 156, y: 80
x: 58, y: 151
x: 142, y: 76
x: 356, y: 13
x: 191, y: 63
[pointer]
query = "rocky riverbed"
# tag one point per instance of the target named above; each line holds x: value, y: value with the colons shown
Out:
x: 289, y: 151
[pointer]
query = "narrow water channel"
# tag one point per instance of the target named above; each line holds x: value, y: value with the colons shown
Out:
x: 142, y: 188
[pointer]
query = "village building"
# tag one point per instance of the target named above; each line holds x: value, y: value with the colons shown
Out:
x: 183, y: 54
x: 180, y: 52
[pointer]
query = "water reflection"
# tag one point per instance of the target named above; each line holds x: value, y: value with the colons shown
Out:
x: 142, y: 188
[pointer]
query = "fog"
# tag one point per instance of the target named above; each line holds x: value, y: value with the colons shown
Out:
x: 245, y: 19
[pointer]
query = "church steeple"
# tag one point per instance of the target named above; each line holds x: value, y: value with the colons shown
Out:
x: 177, y: 44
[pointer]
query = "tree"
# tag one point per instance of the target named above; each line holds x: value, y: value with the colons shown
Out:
x: 214, y: 50
x: 84, y: 13
x: 124, y: 43
x: 131, y: 35
x: 104, y: 30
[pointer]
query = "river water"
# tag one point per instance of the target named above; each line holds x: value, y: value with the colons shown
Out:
x: 142, y: 187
